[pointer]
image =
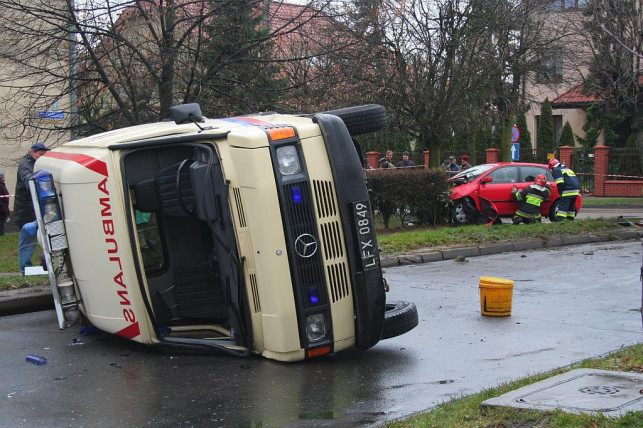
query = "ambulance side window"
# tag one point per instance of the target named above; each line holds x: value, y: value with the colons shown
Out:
x: 150, y: 242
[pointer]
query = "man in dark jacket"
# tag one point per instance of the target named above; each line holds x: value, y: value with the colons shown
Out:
x: 568, y: 188
x: 4, y: 203
x: 452, y: 167
x: 23, y: 210
x: 405, y: 162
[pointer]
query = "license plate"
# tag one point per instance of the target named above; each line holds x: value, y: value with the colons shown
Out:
x: 365, y: 228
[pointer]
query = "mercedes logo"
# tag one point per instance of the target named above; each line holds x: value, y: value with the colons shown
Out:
x: 306, y: 245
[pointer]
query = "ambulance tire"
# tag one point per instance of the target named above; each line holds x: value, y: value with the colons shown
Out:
x: 399, y: 318
x: 362, y: 119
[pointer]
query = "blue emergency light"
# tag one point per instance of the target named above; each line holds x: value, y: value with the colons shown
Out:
x: 49, y: 206
x: 295, y: 193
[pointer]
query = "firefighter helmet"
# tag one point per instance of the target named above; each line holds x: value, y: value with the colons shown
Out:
x: 541, y: 180
x: 553, y: 163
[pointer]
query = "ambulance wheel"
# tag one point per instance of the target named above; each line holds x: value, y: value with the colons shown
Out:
x: 362, y: 119
x: 399, y: 318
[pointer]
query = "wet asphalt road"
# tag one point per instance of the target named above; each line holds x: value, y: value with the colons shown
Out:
x: 568, y: 304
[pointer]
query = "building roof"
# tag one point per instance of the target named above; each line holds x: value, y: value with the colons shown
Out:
x: 574, y: 98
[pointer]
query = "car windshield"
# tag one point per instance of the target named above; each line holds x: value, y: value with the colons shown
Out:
x: 473, y: 172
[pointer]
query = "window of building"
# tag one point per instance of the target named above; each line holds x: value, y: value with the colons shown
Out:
x: 551, y: 68
x: 559, y: 5
x: 558, y: 127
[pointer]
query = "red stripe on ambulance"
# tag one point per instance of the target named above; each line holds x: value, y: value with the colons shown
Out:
x: 130, y: 331
x: 88, y: 162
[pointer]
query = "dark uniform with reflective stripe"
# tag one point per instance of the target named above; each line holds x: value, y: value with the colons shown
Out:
x: 568, y: 188
x: 530, y: 200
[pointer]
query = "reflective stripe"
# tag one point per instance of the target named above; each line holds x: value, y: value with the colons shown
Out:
x: 522, y: 214
x: 570, y: 193
x: 534, y: 200
x: 560, y: 180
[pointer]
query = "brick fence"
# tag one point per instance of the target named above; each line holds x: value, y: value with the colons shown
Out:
x: 602, y: 186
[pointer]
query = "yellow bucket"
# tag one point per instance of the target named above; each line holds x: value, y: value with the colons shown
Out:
x: 495, y: 296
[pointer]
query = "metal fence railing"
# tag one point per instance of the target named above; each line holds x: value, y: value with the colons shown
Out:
x: 624, y: 163
x: 586, y: 182
x: 583, y: 167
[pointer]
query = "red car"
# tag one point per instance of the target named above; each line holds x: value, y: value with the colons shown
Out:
x: 483, y: 190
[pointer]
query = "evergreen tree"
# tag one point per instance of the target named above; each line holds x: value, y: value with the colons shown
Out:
x: 598, y: 122
x: 567, y: 137
x: 239, y: 76
x: 545, y: 140
x: 525, y: 135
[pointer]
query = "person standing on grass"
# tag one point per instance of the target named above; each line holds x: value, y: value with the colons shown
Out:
x: 24, y: 215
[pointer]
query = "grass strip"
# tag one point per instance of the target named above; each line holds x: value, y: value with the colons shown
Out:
x: 15, y: 282
x: 408, y: 241
x: 467, y: 413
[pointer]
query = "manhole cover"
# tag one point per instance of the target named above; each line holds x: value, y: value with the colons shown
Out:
x: 580, y: 391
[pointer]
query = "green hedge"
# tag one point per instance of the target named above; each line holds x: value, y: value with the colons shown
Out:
x: 418, y: 194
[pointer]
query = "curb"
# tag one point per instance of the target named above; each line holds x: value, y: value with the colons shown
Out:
x: 31, y: 300
x: 26, y: 300
x: 484, y: 250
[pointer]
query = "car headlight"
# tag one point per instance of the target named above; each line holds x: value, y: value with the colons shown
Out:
x: 288, y: 160
x: 315, y: 327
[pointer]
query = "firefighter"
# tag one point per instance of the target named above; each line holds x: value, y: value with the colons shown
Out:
x: 568, y: 189
x: 531, y: 198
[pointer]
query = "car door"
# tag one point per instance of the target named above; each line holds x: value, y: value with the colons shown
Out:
x: 528, y: 174
x: 498, y: 190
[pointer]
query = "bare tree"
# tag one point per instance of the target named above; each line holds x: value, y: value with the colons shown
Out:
x: 613, y: 29
x: 125, y: 62
x: 458, y: 65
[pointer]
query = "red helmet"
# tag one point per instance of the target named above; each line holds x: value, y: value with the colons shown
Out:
x: 541, y: 180
x: 553, y: 163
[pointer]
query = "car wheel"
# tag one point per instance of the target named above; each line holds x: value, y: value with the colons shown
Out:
x: 553, y: 210
x: 399, y: 318
x: 461, y: 211
x: 362, y: 119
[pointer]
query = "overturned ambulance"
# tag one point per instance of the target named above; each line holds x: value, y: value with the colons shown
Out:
x: 245, y: 234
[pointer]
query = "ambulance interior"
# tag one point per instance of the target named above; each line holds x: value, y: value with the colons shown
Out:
x: 187, y: 246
